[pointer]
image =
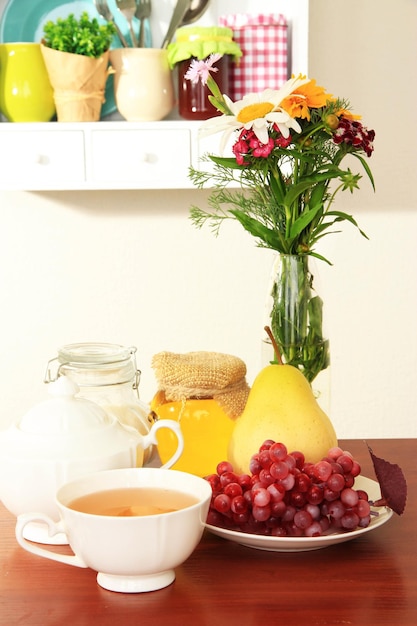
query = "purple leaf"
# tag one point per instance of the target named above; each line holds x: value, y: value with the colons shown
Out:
x: 392, y: 483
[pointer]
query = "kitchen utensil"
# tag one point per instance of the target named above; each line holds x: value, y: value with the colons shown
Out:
x: 128, y: 8
x: 143, y: 13
x: 104, y: 10
x: 180, y: 10
x: 196, y: 10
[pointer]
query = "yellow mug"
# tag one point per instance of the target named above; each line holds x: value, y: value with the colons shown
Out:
x: 26, y: 94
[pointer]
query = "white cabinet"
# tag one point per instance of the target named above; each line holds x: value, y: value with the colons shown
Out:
x: 97, y: 155
x: 33, y: 159
x: 115, y: 154
x: 152, y: 158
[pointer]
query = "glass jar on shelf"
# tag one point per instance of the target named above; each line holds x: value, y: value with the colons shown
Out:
x: 198, y: 43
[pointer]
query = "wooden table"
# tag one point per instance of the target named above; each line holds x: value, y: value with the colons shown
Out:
x: 371, y: 581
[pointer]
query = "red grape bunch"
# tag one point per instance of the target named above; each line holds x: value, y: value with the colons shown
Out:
x: 285, y: 496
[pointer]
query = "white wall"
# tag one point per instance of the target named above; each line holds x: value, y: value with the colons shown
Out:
x: 129, y: 267
x: 367, y: 51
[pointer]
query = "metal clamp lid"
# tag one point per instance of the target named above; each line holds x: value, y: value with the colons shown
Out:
x: 91, y: 356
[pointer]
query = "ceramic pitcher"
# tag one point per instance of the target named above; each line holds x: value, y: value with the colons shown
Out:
x: 143, y: 86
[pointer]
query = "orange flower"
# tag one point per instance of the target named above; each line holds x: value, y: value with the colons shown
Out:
x: 306, y: 97
x: 348, y: 114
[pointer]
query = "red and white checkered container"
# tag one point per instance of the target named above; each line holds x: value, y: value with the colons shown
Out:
x: 263, y: 41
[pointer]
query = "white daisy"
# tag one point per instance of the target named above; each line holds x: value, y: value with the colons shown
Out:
x: 256, y: 111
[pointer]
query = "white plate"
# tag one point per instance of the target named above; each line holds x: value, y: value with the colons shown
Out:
x: 303, y: 544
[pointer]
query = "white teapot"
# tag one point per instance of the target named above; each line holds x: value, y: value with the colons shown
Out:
x: 61, y: 439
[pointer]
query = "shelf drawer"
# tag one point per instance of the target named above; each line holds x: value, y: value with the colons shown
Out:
x: 142, y: 159
x: 41, y: 160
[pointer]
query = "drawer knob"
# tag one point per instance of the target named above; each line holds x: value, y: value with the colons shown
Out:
x: 42, y: 159
x: 148, y: 157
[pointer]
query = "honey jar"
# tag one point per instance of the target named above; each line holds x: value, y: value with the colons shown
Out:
x: 204, y: 392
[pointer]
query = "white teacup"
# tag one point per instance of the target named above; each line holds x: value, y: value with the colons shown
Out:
x: 131, y: 554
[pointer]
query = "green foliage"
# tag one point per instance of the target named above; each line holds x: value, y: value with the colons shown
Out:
x: 280, y: 187
x: 84, y: 36
x: 287, y: 213
x: 285, y: 199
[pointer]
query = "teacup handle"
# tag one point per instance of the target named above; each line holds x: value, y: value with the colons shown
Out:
x: 53, y: 528
x: 150, y: 439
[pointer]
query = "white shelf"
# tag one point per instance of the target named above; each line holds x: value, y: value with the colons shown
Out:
x: 115, y: 154
x: 97, y: 155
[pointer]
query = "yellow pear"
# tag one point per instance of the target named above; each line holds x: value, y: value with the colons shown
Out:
x: 281, y: 406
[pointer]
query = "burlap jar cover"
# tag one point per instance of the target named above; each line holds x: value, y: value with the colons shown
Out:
x: 203, y: 375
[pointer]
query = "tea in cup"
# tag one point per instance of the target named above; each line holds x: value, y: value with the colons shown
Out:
x: 132, y: 526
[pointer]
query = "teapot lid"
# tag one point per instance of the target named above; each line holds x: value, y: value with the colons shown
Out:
x: 63, y: 413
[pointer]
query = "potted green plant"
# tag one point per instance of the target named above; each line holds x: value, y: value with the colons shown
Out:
x: 76, y: 54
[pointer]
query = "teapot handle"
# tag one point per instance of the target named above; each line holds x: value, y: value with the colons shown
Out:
x: 150, y: 439
x: 53, y: 528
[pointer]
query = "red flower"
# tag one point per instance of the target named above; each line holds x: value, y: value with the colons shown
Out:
x: 241, y: 148
x: 248, y: 144
x: 261, y: 149
x: 283, y: 142
x: 352, y: 132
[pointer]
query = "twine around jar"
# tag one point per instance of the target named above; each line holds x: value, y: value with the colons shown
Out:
x: 203, y: 375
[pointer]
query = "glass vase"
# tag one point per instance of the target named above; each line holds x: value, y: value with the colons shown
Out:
x: 295, y: 315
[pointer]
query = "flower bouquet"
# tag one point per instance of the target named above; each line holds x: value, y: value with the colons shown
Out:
x: 287, y: 152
